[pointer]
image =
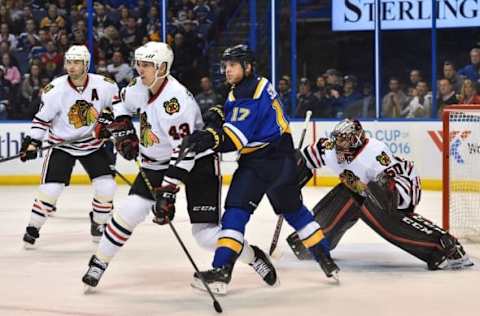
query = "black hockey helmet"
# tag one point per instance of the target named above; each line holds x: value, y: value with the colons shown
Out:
x: 240, y: 53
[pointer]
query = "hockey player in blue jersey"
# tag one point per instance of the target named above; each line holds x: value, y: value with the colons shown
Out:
x: 255, y: 125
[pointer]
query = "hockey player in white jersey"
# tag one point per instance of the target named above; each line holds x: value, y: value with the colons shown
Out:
x: 67, y: 117
x: 168, y: 112
x: 381, y: 189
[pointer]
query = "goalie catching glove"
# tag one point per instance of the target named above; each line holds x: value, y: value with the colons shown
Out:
x: 29, y: 148
x: 164, y: 209
x: 126, y: 140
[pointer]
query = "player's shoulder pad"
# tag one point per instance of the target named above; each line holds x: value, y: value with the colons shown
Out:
x: 51, y: 87
x: 109, y: 80
x: 248, y: 89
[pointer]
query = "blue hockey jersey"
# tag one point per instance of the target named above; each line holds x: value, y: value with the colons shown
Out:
x: 254, y: 116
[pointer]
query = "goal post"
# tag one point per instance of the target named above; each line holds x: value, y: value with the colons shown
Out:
x: 461, y: 171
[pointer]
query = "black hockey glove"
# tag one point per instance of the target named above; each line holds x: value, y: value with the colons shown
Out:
x: 101, y: 126
x: 164, y: 209
x: 29, y: 148
x: 126, y: 140
x: 214, y: 117
x: 304, y: 174
x: 199, y: 141
x: 384, y: 192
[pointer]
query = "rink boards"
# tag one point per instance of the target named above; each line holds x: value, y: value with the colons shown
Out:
x: 420, y: 141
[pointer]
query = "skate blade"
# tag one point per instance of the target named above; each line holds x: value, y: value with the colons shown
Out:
x: 28, y: 246
x: 218, y: 288
x: 87, y: 289
x: 335, y: 277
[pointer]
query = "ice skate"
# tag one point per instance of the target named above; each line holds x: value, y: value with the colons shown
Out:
x: 96, y: 268
x: 30, y: 236
x: 264, y: 267
x: 216, y: 278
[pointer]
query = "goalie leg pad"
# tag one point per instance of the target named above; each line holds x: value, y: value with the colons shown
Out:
x: 337, y: 212
x: 408, y: 231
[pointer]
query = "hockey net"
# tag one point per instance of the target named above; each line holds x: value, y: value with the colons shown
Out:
x: 461, y: 171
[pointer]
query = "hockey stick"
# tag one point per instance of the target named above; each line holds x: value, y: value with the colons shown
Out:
x: 121, y: 176
x: 216, y: 304
x: 38, y: 150
x: 278, y: 227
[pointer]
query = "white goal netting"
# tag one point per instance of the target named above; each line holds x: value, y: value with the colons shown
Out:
x: 463, y: 186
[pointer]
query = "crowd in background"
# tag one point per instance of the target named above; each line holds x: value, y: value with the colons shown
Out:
x: 332, y: 95
x: 34, y: 35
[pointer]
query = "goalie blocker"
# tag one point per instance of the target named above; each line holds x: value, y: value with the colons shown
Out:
x: 340, y: 209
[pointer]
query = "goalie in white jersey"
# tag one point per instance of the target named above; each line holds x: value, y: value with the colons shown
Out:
x: 168, y: 112
x: 381, y: 189
x: 67, y: 117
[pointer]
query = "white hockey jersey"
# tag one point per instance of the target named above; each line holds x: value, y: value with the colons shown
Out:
x: 69, y: 115
x: 165, y: 119
x: 371, y: 161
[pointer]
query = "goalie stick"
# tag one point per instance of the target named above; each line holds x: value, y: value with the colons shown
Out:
x: 278, y: 227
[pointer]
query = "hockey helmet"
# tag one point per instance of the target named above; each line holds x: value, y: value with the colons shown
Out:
x: 240, y: 53
x: 156, y: 53
x: 78, y: 52
x: 348, y: 137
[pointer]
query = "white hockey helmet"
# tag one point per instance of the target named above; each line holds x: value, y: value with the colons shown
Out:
x: 156, y: 53
x: 78, y: 52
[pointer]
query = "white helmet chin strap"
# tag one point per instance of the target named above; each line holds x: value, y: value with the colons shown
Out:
x: 157, y: 77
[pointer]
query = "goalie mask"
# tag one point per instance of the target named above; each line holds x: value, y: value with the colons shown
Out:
x: 349, y: 138
x: 78, y: 52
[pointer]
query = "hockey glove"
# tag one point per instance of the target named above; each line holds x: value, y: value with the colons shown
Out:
x: 29, y: 148
x: 126, y: 140
x: 164, y: 209
x: 199, y: 141
x: 304, y: 174
x: 214, y: 117
x: 101, y: 126
x: 384, y: 192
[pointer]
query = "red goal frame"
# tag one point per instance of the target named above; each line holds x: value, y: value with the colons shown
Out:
x: 446, y: 158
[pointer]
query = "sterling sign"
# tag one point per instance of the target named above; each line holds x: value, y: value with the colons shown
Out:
x: 359, y: 15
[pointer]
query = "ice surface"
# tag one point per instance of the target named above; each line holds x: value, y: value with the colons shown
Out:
x: 151, y: 275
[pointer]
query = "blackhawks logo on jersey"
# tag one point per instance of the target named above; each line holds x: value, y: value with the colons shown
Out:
x: 383, y: 159
x: 172, y: 106
x: 352, y: 181
x: 147, y: 137
x: 82, y: 114
x: 327, y: 143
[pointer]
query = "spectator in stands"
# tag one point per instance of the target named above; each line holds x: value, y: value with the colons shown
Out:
x: 350, y: 94
x: 4, y: 48
x: 30, y: 90
x: 395, y: 100
x: 421, y: 104
x: 63, y: 7
x: 446, y: 95
x: 450, y: 73
x: 63, y: 43
x: 415, y: 77
x: 320, y: 86
x: 4, y: 94
x: 119, y: 70
x: 101, y: 19
x: 131, y: 35
x: 52, y: 60
x: 306, y: 100
x: 207, y: 97
x: 11, y: 73
x: 5, y: 15
x: 101, y: 69
x: 29, y: 38
x: 52, y: 16
x: 54, y: 31
x: 469, y: 93
x: 201, y: 10
x: 284, y: 96
x: 472, y: 71
x: 182, y: 63
x: 6, y: 36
